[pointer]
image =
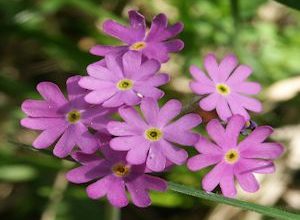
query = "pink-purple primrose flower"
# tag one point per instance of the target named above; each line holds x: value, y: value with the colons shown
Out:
x: 225, y: 87
x: 81, y: 126
x: 233, y: 159
x: 152, y: 140
x: 112, y: 175
x: 124, y: 81
x: 65, y: 120
x: 156, y: 44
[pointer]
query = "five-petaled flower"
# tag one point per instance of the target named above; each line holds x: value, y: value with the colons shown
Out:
x: 111, y: 175
x: 225, y: 87
x: 123, y: 82
x: 156, y: 44
x: 151, y: 140
x: 233, y: 159
x: 67, y: 120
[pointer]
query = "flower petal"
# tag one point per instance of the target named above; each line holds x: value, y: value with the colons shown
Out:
x: 157, y: 51
x: 137, y: 24
x: 51, y: 93
x: 174, y: 154
x: 150, y: 110
x: 42, y: 123
x: 200, y: 76
x: 248, y: 182
x: 117, y: 128
x: 181, y: 137
x: 132, y: 117
x: 248, y: 88
x: 66, y: 143
x: 209, y: 103
x: 159, y: 23
x: 223, y: 109
x: 100, y: 96
x: 205, y: 146
x: 213, y: 178
x: 235, y: 124
x: 99, y: 188
x: 103, y: 50
x: 201, y: 88
x: 131, y: 63
x: 100, y: 72
x: 227, y: 65
x: 169, y: 111
x: 263, y: 151
x: 237, y: 108
x: 86, y: 173
x: 119, y: 31
x: 259, y: 135
x: 148, y: 68
x: 116, y: 193
x: 40, y: 108
x: 217, y: 132
x: 227, y: 185
x: 73, y: 89
x: 116, y: 100
x: 174, y: 45
x: 127, y: 143
x: 139, y: 194
x: 240, y: 74
x: 86, y: 141
x: 48, y: 137
x: 201, y: 161
x: 247, y: 102
x: 211, y: 65
x: 156, y: 160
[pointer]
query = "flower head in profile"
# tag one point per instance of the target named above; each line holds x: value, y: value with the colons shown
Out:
x: 233, y: 159
x: 153, y: 140
x: 112, y: 175
x: 225, y: 87
x: 124, y: 81
x: 155, y: 44
x: 64, y: 119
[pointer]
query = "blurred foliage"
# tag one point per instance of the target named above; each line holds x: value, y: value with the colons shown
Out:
x: 49, y: 40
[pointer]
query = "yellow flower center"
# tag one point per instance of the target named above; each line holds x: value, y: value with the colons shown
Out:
x: 247, y: 124
x: 125, y: 84
x: 138, y: 45
x: 121, y: 169
x: 153, y: 134
x: 223, y: 89
x: 73, y: 116
x: 231, y: 156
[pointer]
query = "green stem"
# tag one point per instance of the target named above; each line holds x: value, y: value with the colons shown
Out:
x: 264, y: 210
x: 112, y: 213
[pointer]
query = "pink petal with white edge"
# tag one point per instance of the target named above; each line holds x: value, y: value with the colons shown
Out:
x: 156, y: 160
x: 51, y: 93
x: 227, y: 65
x: 201, y: 161
x: 209, y: 103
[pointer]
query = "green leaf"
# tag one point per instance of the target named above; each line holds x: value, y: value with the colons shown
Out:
x: 295, y: 4
x: 264, y: 210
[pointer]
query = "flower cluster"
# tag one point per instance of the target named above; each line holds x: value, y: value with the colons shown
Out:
x: 120, y: 156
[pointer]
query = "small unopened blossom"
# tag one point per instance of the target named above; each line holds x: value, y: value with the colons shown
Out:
x: 64, y: 119
x: 233, y: 159
x: 111, y: 175
x: 225, y: 88
x: 124, y: 81
x: 152, y: 140
x: 156, y: 44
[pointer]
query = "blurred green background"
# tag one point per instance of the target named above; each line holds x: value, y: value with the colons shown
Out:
x: 49, y: 40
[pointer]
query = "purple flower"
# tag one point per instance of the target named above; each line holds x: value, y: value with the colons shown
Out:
x: 234, y: 160
x: 155, y: 44
x: 123, y: 82
x: 226, y: 87
x: 64, y: 119
x: 151, y: 140
x: 111, y: 175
